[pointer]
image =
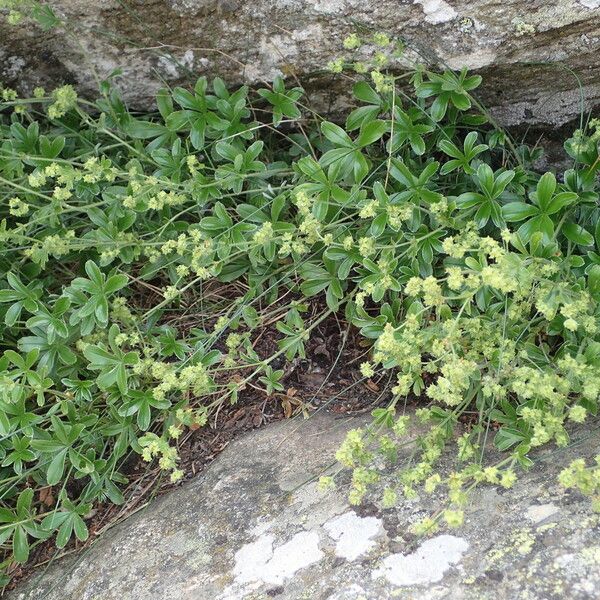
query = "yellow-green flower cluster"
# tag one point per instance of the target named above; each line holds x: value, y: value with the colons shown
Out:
x: 428, y: 287
x: 336, y: 66
x: 457, y: 247
x: 454, y: 518
x: 399, y: 347
x: 196, y: 251
x: 310, y: 229
x: 17, y: 207
x: 390, y: 498
x: 367, y: 370
x: 154, y: 446
x: 353, y: 450
x: 398, y: 214
x: 66, y: 176
x: 326, y: 483
x: 362, y: 478
x: 586, y: 479
x: 383, y: 83
x: 454, y: 381
x: 546, y: 426
x: 8, y: 95
x: 352, y: 42
x: 65, y: 98
x: 52, y: 245
x: 426, y: 526
x: 263, y: 234
x: 194, y: 378
x: 381, y: 39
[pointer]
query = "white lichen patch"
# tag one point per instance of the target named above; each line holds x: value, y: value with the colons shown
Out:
x: 437, y: 11
x: 591, y: 4
x: 427, y: 564
x: 354, y: 535
x: 262, y: 562
x: 540, y: 512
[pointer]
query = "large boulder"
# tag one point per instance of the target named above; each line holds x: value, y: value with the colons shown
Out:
x: 539, y: 58
x: 254, y: 526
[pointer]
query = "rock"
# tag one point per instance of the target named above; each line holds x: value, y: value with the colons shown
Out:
x: 536, y: 56
x: 254, y: 526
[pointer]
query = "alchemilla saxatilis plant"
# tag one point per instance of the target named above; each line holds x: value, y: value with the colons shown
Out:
x: 141, y: 256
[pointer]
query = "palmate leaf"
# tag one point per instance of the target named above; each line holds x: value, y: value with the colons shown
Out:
x: 538, y: 215
x: 111, y: 364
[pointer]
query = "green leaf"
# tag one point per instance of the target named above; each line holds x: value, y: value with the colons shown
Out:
x: 115, y: 283
x: 20, y: 545
x: 334, y: 133
x: 24, y: 502
x: 365, y: 93
x: 185, y: 99
x: 507, y: 437
x: 371, y: 132
x: 144, y: 130
x: 518, y: 211
x: 560, y: 201
x: 64, y: 533
x: 45, y: 16
x: 545, y: 189
x: 594, y: 282
x: 56, y: 468
x: 80, y: 528
x: 577, y: 234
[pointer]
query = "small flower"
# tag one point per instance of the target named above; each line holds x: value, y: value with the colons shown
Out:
x: 367, y: 370
x: 571, y: 324
x: 176, y: 475
x: 366, y: 246
x: 432, y: 482
x: 577, y: 413
x: 425, y: 526
x: 381, y: 59
x: 65, y: 98
x: 336, y: 66
x: 14, y: 17
x: 383, y: 83
x: 264, y: 234
x: 9, y: 95
x: 454, y: 518
x: 325, y: 483
x: 17, y: 207
x: 171, y: 292
x: 508, y: 478
x: 381, y: 39
x: 352, y: 42
x: 175, y: 432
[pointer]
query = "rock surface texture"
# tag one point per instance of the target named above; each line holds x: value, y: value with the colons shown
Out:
x: 538, y: 57
x: 254, y: 526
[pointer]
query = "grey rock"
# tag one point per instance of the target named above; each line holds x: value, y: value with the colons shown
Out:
x: 537, y: 57
x: 254, y: 526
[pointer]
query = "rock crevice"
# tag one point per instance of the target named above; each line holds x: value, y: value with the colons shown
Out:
x: 526, y: 50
